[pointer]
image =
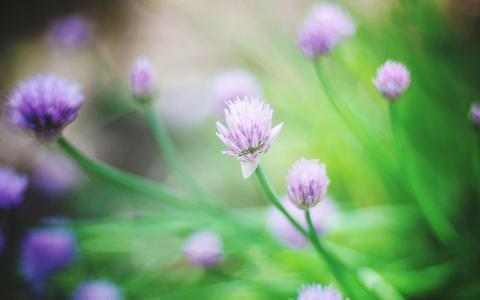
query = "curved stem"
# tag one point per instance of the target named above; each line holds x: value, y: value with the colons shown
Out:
x: 119, y: 177
x: 168, y: 149
x: 327, y: 256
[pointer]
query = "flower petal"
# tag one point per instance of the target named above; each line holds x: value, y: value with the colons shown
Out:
x: 248, y: 167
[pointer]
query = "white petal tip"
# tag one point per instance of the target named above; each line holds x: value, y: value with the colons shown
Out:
x: 249, y: 167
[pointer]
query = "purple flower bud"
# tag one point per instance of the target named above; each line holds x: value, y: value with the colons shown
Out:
x: 142, y: 78
x: 45, y: 252
x: 249, y: 131
x: 97, y: 290
x: 281, y: 227
x: 55, y: 175
x: 45, y: 104
x: 475, y: 114
x: 317, y: 292
x: 325, y: 26
x: 392, y: 79
x: 12, y: 188
x: 232, y: 85
x: 307, y: 183
x: 204, y: 249
x: 70, y: 32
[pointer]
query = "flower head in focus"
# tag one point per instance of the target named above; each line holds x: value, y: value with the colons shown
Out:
x: 44, y: 104
x: 475, y: 114
x: 307, y: 183
x: 55, y: 175
x: 97, y: 290
x: 285, y: 232
x: 249, y: 131
x: 142, y: 78
x: 204, y: 249
x: 326, y: 25
x: 45, y: 252
x: 392, y: 79
x: 317, y: 292
x: 234, y: 84
x: 70, y: 32
x: 12, y: 187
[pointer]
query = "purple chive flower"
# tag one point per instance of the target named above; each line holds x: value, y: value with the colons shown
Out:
x: 12, y: 188
x: 317, y: 292
x: 45, y: 104
x: 475, y: 114
x: 392, y: 79
x: 97, y: 290
x: 70, y: 32
x: 325, y: 26
x: 142, y: 78
x: 307, y: 183
x: 55, y: 175
x: 249, y: 131
x: 45, y: 252
x: 287, y: 233
x: 232, y: 85
x: 204, y: 249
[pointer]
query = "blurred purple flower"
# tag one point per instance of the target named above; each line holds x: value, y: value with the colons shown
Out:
x: 70, y: 32
x: 325, y: 26
x: 55, y: 175
x: 12, y: 187
x: 249, y: 131
x: 45, y: 104
x: 287, y: 233
x: 3, y: 240
x: 97, y: 290
x: 475, y: 114
x: 142, y: 78
x: 204, y: 248
x: 45, y: 252
x: 392, y: 79
x: 307, y: 183
x: 234, y: 84
x: 317, y: 292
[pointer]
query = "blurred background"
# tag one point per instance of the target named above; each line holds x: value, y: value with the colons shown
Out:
x: 377, y: 225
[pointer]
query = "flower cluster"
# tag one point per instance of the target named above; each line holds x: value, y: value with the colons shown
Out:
x: 97, y: 290
x: 392, y: 79
x: 249, y: 131
x: 12, y: 188
x: 45, y: 104
x: 325, y: 26
x: 142, y: 78
x: 317, y: 292
x: 204, y: 249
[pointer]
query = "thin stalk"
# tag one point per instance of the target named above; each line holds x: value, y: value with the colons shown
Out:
x: 325, y: 254
x: 119, y: 177
x: 433, y: 214
x: 168, y: 149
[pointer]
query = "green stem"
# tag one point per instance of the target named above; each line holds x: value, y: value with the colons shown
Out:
x: 327, y: 256
x: 437, y: 221
x: 168, y: 149
x: 119, y: 177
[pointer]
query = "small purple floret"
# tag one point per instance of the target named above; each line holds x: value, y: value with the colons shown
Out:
x: 234, y: 84
x: 12, y: 188
x: 392, y: 79
x: 97, y: 290
x: 45, y: 104
x: 281, y: 227
x: 317, y: 292
x: 204, y: 249
x: 249, y: 131
x: 326, y: 25
x: 70, y: 32
x: 142, y: 78
x: 475, y: 114
x: 307, y: 183
x: 45, y: 252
